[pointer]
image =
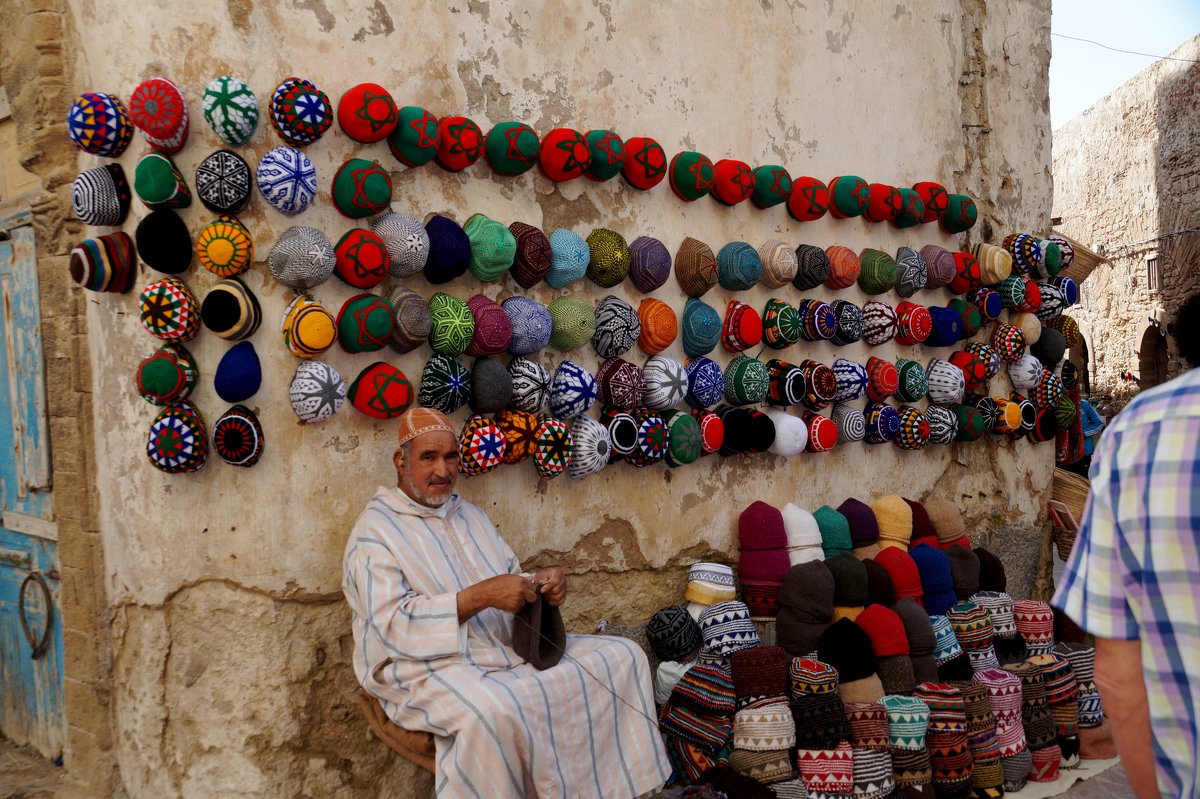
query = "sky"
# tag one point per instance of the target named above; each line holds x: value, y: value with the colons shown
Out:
x: 1082, y: 73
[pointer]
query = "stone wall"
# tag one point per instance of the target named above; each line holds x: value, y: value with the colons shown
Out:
x: 1126, y: 183
x: 229, y: 638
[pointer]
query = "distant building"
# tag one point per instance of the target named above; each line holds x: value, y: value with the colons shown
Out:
x: 1127, y: 185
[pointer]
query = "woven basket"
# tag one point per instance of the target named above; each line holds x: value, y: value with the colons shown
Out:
x: 1071, y: 490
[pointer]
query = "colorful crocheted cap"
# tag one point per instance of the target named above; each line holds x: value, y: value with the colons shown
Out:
x: 818, y: 322
x: 772, y: 186
x: 645, y: 163
x: 911, y: 271
x: 308, y: 328
x: 650, y: 265
x: 99, y: 124
x: 364, y: 323
x: 610, y: 257
x: 733, y: 181
x: 530, y: 324
x: 782, y: 325
x: 481, y: 446
x: 685, y: 438
x: 412, y: 319
x: 493, y: 330
x: 361, y: 259
x: 960, y: 215
x: 727, y: 628
x: 178, y: 440
x: 167, y: 376
x: 706, y: 382
x: 317, y: 392
x: 367, y: 113
x: 912, y: 209
x: 607, y: 152
x: 702, y: 327
x: 844, y: 267
x: 491, y: 386
x: 849, y: 196
x: 445, y: 385
x: 822, y: 432
x: 169, y: 311
x: 449, y: 252
x: 519, y: 428
x: 914, y: 429
x: 659, y: 326
x: 912, y: 382
x: 778, y: 264
x: 237, y: 437
x: 231, y: 110
x: 695, y: 267
x: 511, y: 148
x: 569, y: 256
x: 159, y: 112
x: 691, y: 175
x: 361, y: 188
x: 809, y: 199
x: 848, y: 322
x: 381, y: 391
x: 739, y: 266
x: 880, y: 323
x: 572, y: 391
x: 590, y: 447
x: 163, y: 242
x: 231, y: 310
x: 534, y: 255
x: 101, y: 195
x: 300, y: 112
x: 414, y: 140
x: 451, y: 324
x: 158, y: 183
x: 742, y: 328
x: 618, y: 327
x: 531, y: 384
x: 933, y: 197
x: 286, y: 179
x: 552, y: 452
x: 573, y: 322
x: 459, y: 143
x: 564, y: 155
x: 746, y: 381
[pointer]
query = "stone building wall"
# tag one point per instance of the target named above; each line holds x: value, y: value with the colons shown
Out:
x: 222, y: 609
x: 1127, y: 184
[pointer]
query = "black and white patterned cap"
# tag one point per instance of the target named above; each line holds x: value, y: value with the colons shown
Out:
x: 617, y: 327
x: 317, y: 391
x: 301, y: 258
x: 590, y: 447
x: 223, y: 182
x: 943, y: 424
x: 101, y: 195
x: 531, y: 385
x: 406, y: 241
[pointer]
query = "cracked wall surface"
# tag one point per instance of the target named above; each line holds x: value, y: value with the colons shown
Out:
x: 1126, y: 178
x: 229, y: 636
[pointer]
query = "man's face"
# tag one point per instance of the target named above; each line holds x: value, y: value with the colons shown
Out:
x: 427, y: 467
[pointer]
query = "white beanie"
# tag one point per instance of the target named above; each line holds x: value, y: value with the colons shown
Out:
x: 668, y: 674
x: 803, y: 535
x: 791, y: 434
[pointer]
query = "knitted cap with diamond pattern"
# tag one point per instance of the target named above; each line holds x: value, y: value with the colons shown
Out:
x: 459, y: 143
x: 533, y: 257
x: 913, y: 433
x: 739, y: 266
x: 621, y: 384
x: 879, y: 323
x: 231, y: 110
x: 691, y: 175
x: 451, y: 324
x: 779, y: 264
x: 361, y: 259
x: 877, y: 271
x: 782, y: 325
x: 912, y: 382
x: 300, y: 112
x: 746, y: 381
x: 659, y: 326
x: 481, y: 446
x: 701, y: 327
x: 531, y: 384
x: 361, y: 188
x: 169, y: 310
x: 381, y: 391
x: 414, y: 140
x: 511, y: 148
x: 178, y: 440
x: 99, y: 124
x: 772, y: 186
x: 609, y: 257
x: 617, y: 327
x: 445, y: 384
x: 706, y: 382
x: 564, y: 155
x: 645, y: 163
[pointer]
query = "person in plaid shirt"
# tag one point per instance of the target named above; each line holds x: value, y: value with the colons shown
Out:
x: 1133, y: 579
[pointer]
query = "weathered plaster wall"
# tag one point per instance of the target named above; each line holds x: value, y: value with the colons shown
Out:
x: 1126, y: 181
x: 229, y: 635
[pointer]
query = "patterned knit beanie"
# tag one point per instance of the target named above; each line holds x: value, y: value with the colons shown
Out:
x: 317, y: 392
x: 868, y: 726
x: 621, y: 384
x: 618, y: 327
x: 1035, y: 623
x: 569, y: 255
x: 651, y: 263
x: 844, y: 267
x: 973, y: 628
x: 914, y: 324
x: 659, y: 326
x: 701, y: 328
x: 666, y: 382
x: 609, y: 257
x: 738, y: 266
x: 848, y: 322
x: 908, y: 721
x: 572, y: 391
x: 742, y: 328
x: 761, y: 672
x: 877, y: 271
x: 511, y: 148
x: 912, y: 272
x: 674, y: 634
x: 530, y: 323
x: 706, y: 382
x: 493, y: 330
x: 778, y: 264
x: 786, y: 383
x: 883, y: 422
x: 445, y: 385
x: 231, y: 310
x: 709, y: 583
x: 812, y: 267
x: 727, y: 628
x: 695, y: 267
x: 533, y: 256
x: 782, y: 324
x: 590, y: 447
x: 827, y: 773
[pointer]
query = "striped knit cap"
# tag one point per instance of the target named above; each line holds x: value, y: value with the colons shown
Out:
x: 850, y: 421
x: 1035, y: 623
x: 827, y: 773
x: 868, y: 725
x: 764, y: 728
x: 946, y: 738
x: 812, y: 267
x: 908, y: 720
x: 1062, y: 692
x: 981, y: 724
x: 818, y: 322
x: 1016, y: 768
x: 973, y: 628
x: 873, y: 774
x: 1045, y: 763
x: 767, y: 768
x: 999, y: 606
x: 705, y: 688
x: 820, y: 721
x: 708, y: 732
x: 911, y: 768
x: 809, y: 677
x: 1035, y: 711
x: 727, y: 628
x: 709, y: 583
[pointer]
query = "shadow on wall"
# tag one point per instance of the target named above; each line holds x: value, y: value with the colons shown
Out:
x: 1177, y: 180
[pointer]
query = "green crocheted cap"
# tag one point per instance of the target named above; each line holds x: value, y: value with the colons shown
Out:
x: 960, y: 214
x: 451, y: 324
x: 849, y: 196
x: 159, y: 184
x: 361, y: 188
x: 691, y: 175
x: 573, y: 323
x: 493, y: 247
x: 608, y: 154
x: 746, y: 381
x: 511, y: 148
x: 414, y: 140
x: 877, y: 271
x: 610, y: 257
x: 772, y: 186
x: 913, y: 382
x: 365, y: 323
x: 912, y: 209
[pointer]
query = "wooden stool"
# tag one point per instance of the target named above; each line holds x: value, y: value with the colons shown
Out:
x: 416, y: 747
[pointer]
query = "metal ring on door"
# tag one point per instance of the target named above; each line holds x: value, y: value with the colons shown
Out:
x: 39, y: 647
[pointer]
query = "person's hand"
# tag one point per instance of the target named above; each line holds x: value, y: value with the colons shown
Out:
x: 509, y: 592
x: 552, y: 584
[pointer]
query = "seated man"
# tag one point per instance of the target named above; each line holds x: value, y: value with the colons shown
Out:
x: 433, y: 589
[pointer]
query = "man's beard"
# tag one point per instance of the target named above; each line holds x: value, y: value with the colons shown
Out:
x: 433, y: 502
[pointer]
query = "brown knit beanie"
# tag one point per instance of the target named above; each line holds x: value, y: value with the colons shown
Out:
x: 945, y: 518
x: 805, y: 607
x: 964, y: 565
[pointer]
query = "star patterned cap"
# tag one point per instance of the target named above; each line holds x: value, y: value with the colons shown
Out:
x: 169, y: 310
x: 459, y: 143
x: 178, y: 440
x: 367, y: 113
x: 231, y: 110
x: 223, y: 182
x: 481, y: 446
x: 414, y: 140
x: 158, y: 110
x: 381, y: 391
x: 511, y: 148
x: 361, y: 259
x: 238, y: 438
x: 361, y: 188
x: 645, y: 163
x: 300, y: 112
x: 317, y: 392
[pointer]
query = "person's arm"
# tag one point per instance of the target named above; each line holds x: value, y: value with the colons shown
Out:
x: 1123, y: 692
x: 508, y: 592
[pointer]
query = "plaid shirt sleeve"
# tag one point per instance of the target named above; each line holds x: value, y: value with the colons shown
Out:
x: 1097, y: 581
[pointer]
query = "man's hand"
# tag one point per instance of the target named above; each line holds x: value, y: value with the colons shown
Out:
x: 508, y: 592
x: 552, y: 584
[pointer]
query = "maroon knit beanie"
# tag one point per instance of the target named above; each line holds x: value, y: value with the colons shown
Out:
x: 761, y: 527
x: 906, y: 580
x: 760, y: 671
x: 885, y: 629
x: 864, y: 530
x: 922, y: 527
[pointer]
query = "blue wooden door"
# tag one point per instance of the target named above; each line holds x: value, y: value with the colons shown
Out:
x: 31, y: 706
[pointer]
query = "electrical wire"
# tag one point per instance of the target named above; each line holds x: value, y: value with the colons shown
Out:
x: 1129, y: 52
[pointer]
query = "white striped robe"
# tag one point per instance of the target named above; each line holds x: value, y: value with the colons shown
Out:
x: 503, y: 729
